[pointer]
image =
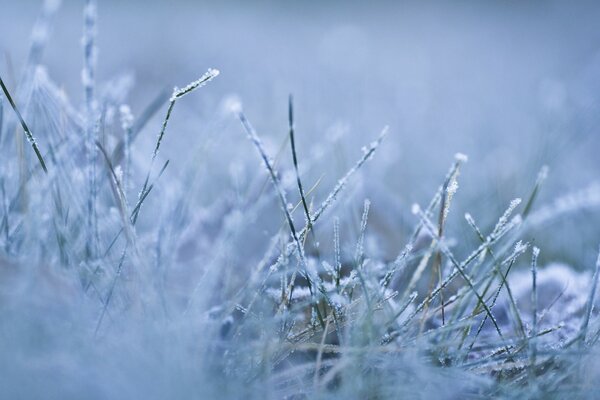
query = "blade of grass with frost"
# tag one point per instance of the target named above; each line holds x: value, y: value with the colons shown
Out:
x: 519, y: 249
x: 503, y: 220
x: 359, y: 255
x: 140, y: 122
x: 498, y: 271
x: 128, y: 225
x: 448, y: 191
x: 359, y: 260
x: 534, y: 306
x: 474, y: 254
x: 295, y: 160
x: 462, y: 272
x: 177, y: 94
x: 134, y: 213
x: 590, y: 303
x: 276, y: 160
x: 398, y: 264
x: 452, y: 172
x: 308, y: 193
x: 126, y: 124
x: 299, y: 203
x: 437, y: 263
x: 120, y: 195
x: 337, y: 255
x: 281, y: 194
x: 282, y: 198
x: 136, y: 209
x: 459, y: 159
x: 368, y: 154
x: 493, y: 303
x: 403, y: 308
x: 28, y: 133
x: 333, y: 194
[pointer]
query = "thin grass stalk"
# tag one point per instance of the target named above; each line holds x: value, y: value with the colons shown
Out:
x: 26, y: 129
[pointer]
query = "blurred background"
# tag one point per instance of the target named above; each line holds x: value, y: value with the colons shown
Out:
x: 514, y: 85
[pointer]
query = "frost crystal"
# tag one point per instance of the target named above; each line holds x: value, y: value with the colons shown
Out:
x: 469, y: 219
x: 452, y: 188
x: 207, y: 77
x: 504, y: 218
x: 461, y: 157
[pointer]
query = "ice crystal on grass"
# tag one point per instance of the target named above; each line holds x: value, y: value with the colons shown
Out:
x: 203, y: 80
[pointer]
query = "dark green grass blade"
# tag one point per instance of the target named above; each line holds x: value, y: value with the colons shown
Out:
x: 28, y: 133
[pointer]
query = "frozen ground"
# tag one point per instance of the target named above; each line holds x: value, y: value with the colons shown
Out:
x: 188, y: 298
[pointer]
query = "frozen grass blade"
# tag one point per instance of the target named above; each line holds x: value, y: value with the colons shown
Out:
x: 177, y: 94
x: 534, y: 306
x: 359, y: 255
x: 448, y: 191
x: 337, y: 252
x: 274, y: 179
x: 344, y: 180
x: 462, y: 272
x: 476, y: 310
x: 283, y: 202
x: 134, y: 213
x: 28, y: 133
x: 139, y: 124
x: 330, y: 200
x: 295, y: 160
x: 466, y: 262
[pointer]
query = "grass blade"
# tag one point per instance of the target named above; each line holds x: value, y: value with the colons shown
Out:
x: 26, y: 129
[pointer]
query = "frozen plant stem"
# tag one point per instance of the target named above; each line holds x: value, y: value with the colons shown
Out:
x: 444, y: 248
x: 28, y: 133
x: 295, y: 159
x: 269, y: 166
x: 368, y: 153
x: 534, y: 305
x: 177, y: 94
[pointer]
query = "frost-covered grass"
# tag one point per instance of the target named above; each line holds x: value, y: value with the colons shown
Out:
x: 119, y: 279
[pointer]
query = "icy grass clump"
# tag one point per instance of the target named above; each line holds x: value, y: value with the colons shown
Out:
x: 562, y: 294
x: 119, y: 280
